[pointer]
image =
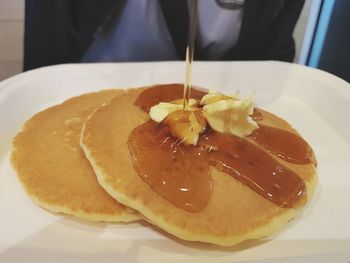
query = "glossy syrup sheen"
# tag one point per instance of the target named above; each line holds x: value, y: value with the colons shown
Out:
x: 180, y: 173
x: 285, y: 145
x: 173, y: 170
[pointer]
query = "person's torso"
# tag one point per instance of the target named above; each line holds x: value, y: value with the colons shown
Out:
x: 140, y: 33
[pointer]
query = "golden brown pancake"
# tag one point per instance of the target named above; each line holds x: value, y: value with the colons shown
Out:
x: 234, y: 213
x: 53, y: 169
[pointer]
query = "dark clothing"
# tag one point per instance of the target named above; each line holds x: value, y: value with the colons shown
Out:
x: 61, y: 31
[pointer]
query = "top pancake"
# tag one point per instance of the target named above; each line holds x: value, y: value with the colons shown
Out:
x: 52, y: 167
x: 234, y: 213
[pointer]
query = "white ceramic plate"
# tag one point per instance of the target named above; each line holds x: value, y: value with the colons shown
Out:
x: 315, y: 102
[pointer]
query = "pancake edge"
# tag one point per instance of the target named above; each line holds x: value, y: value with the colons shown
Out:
x: 124, y: 216
x: 274, y: 226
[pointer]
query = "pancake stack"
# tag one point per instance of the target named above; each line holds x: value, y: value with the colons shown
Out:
x: 53, y: 169
x: 74, y: 158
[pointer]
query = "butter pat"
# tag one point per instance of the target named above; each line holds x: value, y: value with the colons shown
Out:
x: 226, y: 114
x: 160, y: 111
x: 229, y: 115
x: 186, y: 125
x: 213, y: 96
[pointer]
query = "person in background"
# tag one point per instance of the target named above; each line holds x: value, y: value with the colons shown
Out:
x: 73, y: 31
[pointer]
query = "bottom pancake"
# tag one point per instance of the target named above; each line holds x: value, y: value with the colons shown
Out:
x: 234, y: 212
x: 53, y: 169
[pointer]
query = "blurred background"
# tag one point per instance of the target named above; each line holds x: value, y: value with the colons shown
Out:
x: 11, y: 37
x: 321, y: 35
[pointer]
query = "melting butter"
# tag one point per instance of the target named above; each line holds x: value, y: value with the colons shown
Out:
x: 186, y: 125
x: 229, y: 115
x: 225, y: 114
x: 160, y: 111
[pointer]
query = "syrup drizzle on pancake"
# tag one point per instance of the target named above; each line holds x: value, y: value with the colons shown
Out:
x: 287, y: 146
x: 180, y: 173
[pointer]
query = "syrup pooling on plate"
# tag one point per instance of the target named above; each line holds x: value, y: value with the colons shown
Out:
x: 186, y: 181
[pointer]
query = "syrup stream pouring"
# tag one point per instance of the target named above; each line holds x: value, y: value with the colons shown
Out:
x: 190, y: 52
